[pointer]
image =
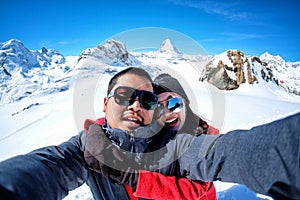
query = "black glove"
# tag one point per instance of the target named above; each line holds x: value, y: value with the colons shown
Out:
x: 96, y: 142
x: 102, y: 156
x: 122, y: 170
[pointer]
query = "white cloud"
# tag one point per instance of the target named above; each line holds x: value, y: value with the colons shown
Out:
x: 242, y: 36
x: 229, y: 10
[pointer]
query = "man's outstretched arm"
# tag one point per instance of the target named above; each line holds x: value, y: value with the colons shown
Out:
x: 265, y: 158
x: 46, y: 173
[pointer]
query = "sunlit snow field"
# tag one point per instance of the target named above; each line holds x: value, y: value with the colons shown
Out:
x: 49, y: 119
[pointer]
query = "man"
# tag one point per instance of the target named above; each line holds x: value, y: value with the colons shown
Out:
x: 50, y: 172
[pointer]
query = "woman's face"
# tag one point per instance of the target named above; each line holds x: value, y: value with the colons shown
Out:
x: 172, y: 119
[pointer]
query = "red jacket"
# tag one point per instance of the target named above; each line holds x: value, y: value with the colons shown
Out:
x: 171, y: 187
x: 167, y: 187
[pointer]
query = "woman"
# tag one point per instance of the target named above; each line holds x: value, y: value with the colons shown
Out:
x: 174, y: 102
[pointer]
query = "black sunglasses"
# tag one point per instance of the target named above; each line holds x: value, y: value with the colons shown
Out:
x: 174, y: 104
x: 126, y: 96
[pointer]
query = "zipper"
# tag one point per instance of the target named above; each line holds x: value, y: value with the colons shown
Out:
x: 138, y: 155
x: 131, y: 133
x: 131, y: 140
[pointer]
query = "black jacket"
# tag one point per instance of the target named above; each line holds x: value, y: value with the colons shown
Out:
x: 51, y: 172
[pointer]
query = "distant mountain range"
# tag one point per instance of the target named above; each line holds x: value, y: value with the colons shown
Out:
x: 25, y: 73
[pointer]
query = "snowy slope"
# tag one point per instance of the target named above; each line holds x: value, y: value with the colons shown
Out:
x: 51, y: 118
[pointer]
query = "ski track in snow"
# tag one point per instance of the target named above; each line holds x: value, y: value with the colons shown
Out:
x: 19, y: 130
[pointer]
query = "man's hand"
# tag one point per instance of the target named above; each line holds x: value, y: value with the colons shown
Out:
x: 102, y: 156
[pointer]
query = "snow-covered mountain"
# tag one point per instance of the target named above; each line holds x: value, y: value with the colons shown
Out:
x: 287, y: 73
x: 42, y: 93
x: 167, y: 46
x: 26, y: 72
x: 112, y: 53
x: 232, y: 68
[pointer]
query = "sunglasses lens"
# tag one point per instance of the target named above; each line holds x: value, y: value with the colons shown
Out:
x: 126, y: 96
x: 148, y: 100
x: 175, y: 104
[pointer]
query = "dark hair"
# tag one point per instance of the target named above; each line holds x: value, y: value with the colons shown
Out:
x: 166, y: 83
x: 191, y: 122
x: 131, y: 70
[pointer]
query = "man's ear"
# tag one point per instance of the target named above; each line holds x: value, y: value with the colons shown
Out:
x: 105, y: 104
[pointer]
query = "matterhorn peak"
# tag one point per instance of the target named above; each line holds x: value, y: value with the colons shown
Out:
x: 167, y: 46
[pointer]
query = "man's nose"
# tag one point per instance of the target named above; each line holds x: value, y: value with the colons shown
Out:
x: 135, y: 105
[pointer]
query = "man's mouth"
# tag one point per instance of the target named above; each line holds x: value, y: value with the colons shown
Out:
x: 133, y: 119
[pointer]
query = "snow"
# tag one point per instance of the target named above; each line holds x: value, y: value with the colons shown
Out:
x: 51, y: 118
x: 51, y: 122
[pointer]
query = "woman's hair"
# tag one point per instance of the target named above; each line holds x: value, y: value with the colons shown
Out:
x: 191, y: 122
x: 166, y: 83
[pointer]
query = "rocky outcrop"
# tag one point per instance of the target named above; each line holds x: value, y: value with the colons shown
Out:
x: 233, y: 68
x: 218, y: 77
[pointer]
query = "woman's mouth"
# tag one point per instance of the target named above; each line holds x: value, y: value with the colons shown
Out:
x: 171, y: 122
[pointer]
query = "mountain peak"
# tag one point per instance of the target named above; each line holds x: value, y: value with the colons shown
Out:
x: 12, y: 44
x: 12, y: 41
x: 267, y: 56
x: 167, y: 46
x: 112, y: 52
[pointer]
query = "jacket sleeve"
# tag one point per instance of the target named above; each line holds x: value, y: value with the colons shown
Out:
x: 265, y: 158
x: 171, y: 187
x: 46, y: 173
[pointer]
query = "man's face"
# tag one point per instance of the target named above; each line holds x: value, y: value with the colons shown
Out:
x: 132, y: 116
x: 173, y: 120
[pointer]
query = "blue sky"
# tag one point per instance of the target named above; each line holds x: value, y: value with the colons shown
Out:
x: 71, y: 26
